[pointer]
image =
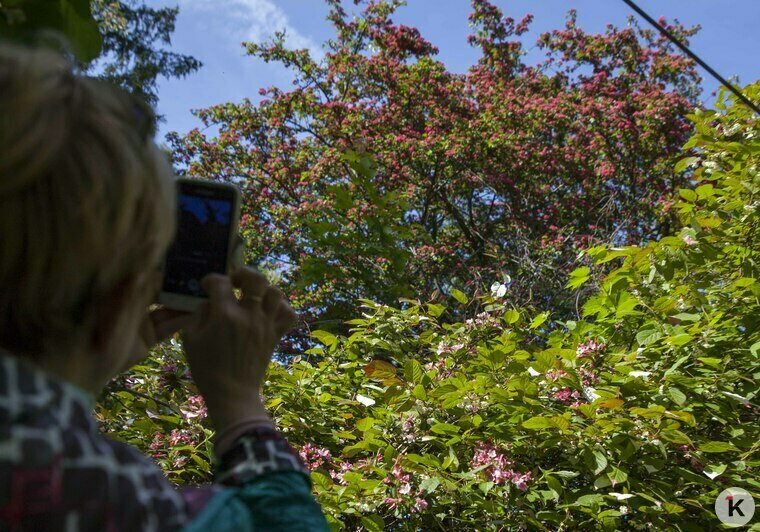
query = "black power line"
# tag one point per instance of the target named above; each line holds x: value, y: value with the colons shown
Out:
x: 694, y: 56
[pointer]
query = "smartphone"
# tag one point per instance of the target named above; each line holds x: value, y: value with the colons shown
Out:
x: 208, y: 215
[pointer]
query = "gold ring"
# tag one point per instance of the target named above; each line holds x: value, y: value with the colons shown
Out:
x: 256, y: 299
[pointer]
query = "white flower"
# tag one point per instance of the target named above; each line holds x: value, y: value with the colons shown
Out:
x: 590, y: 394
x: 498, y: 289
x: 533, y: 372
x: 736, y: 396
x: 366, y: 401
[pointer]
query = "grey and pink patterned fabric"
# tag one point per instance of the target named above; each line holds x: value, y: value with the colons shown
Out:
x: 58, y: 472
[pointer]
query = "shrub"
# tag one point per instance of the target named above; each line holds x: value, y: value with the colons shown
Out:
x: 635, y: 416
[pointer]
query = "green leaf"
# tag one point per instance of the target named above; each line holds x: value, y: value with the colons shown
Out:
x: 327, y: 338
x: 686, y: 417
x: 593, y: 499
x: 755, y: 349
x: 511, y: 316
x: 459, y: 296
x: 679, y: 339
x: 677, y: 365
x: 321, y: 481
x: 413, y: 371
x: 419, y: 392
x: 538, y: 422
x: 373, y: 523
x: 672, y: 508
x: 560, y: 422
x: 599, y: 462
x: 72, y: 18
x: 617, y: 476
x: 365, y: 424
x: 578, y: 277
x: 676, y: 436
x: 685, y: 316
x: 677, y: 396
x: 451, y: 461
x: 648, y: 336
x: 712, y: 471
x: 435, y: 310
x: 683, y: 164
x: 538, y: 320
x: 444, y: 428
x: 717, y: 447
x: 429, y: 484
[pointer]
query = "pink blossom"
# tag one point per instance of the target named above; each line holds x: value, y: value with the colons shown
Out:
x: 196, y: 408
x: 392, y: 502
x: 500, y: 469
x: 314, y: 457
x: 419, y: 505
x: 589, y: 349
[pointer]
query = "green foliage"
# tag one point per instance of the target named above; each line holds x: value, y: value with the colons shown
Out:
x: 28, y: 20
x: 635, y: 416
x: 134, y: 40
x: 156, y: 407
x: 119, y: 41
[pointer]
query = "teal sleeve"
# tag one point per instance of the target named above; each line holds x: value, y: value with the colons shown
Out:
x: 277, y: 501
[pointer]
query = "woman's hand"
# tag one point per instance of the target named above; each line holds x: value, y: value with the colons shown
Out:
x: 229, y: 342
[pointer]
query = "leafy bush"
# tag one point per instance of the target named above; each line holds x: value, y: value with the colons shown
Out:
x: 635, y: 417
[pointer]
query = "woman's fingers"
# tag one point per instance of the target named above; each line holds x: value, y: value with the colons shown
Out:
x: 219, y: 289
x: 166, y: 322
x: 251, y: 282
x: 272, y: 300
x: 284, y: 319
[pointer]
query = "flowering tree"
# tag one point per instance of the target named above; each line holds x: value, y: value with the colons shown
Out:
x: 634, y: 417
x: 384, y: 175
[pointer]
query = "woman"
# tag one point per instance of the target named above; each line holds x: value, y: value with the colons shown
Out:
x: 87, y: 209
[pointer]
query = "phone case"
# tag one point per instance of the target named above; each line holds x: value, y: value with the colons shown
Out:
x: 235, y: 254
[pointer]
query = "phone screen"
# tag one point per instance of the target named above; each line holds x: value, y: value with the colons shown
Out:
x: 203, y: 233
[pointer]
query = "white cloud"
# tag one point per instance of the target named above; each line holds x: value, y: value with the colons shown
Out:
x: 251, y: 20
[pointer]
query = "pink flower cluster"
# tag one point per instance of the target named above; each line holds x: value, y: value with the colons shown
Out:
x: 341, y: 468
x: 554, y: 374
x: 157, y: 444
x: 484, y: 319
x: 568, y: 396
x: 404, y: 490
x: 168, y: 371
x: 587, y: 376
x: 314, y: 457
x: 443, y: 349
x: 589, y: 348
x: 169, y: 367
x: 500, y: 469
x: 195, y: 408
x: 440, y: 366
x: 180, y: 436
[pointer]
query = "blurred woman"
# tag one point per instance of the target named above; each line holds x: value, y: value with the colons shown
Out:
x: 87, y: 212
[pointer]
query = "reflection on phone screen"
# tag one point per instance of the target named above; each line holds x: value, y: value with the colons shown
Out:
x: 200, y: 246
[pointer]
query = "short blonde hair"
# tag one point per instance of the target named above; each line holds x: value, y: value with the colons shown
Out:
x: 86, y: 198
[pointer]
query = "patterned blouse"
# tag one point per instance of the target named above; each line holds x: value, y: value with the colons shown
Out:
x: 58, y: 472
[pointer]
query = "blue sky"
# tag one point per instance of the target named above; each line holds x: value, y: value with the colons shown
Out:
x: 212, y: 30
